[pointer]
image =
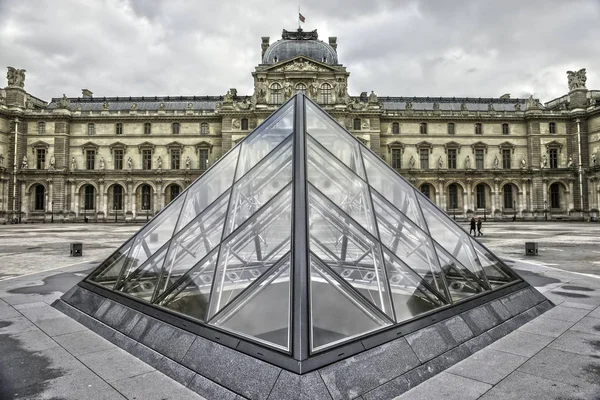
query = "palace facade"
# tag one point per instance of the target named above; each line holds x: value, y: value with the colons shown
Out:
x: 124, y: 158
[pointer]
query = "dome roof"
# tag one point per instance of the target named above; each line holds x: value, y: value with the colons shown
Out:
x: 300, y: 43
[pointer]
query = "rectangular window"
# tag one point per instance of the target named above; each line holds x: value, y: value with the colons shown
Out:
x: 396, y: 158
x: 451, y: 128
x: 41, y: 159
x: 552, y: 126
x: 175, y: 158
x: 423, y: 128
x: 505, y: 130
x: 203, y: 159
x: 146, y: 159
x: 506, y: 158
x: 90, y: 159
x: 479, y: 159
x: 478, y: 129
x: 119, y: 128
x: 451, y: 158
x: 147, y: 128
x: 118, y: 158
x: 424, y: 158
x: 553, y: 158
x: 41, y: 128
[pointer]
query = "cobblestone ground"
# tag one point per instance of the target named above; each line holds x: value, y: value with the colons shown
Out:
x: 26, y: 249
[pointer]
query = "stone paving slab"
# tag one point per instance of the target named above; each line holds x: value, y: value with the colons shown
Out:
x: 579, y: 343
x: 588, y: 325
x: 447, y: 386
x: 521, y: 343
x: 153, y: 386
x: 546, y: 326
x: 115, y: 364
x: 488, y: 366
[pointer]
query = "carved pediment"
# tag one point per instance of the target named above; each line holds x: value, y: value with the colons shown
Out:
x: 175, y: 145
x: 301, y: 64
x: 452, y: 145
x: 396, y: 144
x: 39, y: 144
x: 554, y: 145
x: 89, y: 146
x: 146, y: 146
x: 118, y: 146
x: 507, y: 145
x: 425, y: 145
x: 205, y: 145
x: 479, y: 145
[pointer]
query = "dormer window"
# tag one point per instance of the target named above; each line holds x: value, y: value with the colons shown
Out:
x: 325, y: 59
x: 275, y: 59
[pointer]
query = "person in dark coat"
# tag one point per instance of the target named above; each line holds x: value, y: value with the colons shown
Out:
x: 472, y: 226
x: 479, y: 227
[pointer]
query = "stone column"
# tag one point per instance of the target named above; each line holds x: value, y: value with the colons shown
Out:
x: 571, y: 200
x: 545, y: 192
x: 25, y: 201
x: 469, y: 204
x: 76, y: 209
x: 49, y: 197
x: 103, y: 200
x: 442, y: 203
x: 524, y: 203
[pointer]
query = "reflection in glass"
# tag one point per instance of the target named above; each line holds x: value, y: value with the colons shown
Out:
x: 208, y: 188
x: 334, y: 138
x: 461, y: 281
x: 394, y: 188
x: 336, y: 314
x: 190, y: 295
x: 108, y: 272
x: 262, y: 312
x: 352, y: 253
x: 251, y: 250
x: 340, y: 185
x: 259, y: 185
x: 265, y: 138
x: 142, y: 281
x: 496, y: 272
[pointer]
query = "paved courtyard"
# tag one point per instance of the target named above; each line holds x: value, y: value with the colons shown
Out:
x: 46, y: 355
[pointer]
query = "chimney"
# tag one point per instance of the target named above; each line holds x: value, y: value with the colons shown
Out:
x: 87, y: 94
x: 264, y: 46
x: 333, y: 42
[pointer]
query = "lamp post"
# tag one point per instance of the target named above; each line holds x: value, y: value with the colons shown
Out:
x: 514, y: 210
x: 147, y: 209
x: 484, y: 210
x: 546, y: 210
x: 115, y: 207
x: 51, y: 211
x: 454, y: 209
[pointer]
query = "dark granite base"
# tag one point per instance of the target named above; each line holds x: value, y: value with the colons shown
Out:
x: 383, y: 372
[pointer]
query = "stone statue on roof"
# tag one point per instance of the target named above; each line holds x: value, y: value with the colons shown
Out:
x: 105, y: 106
x: 532, y: 103
x: 373, y: 98
x: 408, y: 106
x: 134, y: 107
x: 190, y: 106
x: 576, y: 80
x: 2, y: 97
x: 64, y: 102
x: 463, y: 107
x: 518, y: 107
x: 228, y: 98
x: 161, y: 106
x: 15, y: 77
x: 491, y: 107
x: 436, y: 106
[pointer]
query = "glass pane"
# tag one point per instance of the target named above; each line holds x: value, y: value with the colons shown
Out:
x: 154, y: 235
x: 450, y: 236
x: 191, y: 294
x: 265, y: 138
x: 340, y: 185
x: 393, y: 187
x: 194, y: 242
x: 336, y: 314
x: 496, y: 271
x: 410, y: 295
x: 409, y: 243
x: 108, y: 272
x: 259, y: 185
x: 347, y: 250
x: 252, y: 250
x: 334, y: 138
x: 142, y: 282
x: 208, y: 187
x: 461, y: 281
x: 263, y: 312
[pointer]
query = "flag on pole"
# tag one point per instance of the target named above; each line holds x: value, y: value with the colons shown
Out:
x: 301, y: 17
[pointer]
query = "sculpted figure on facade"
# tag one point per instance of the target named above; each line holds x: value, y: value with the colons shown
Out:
x: 523, y: 163
x: 518, y: 107
x: 134, y: 107
x: 102, y: 165
x: 436, y: 106
x: 373, y: 98
x: 228, y: 98
x: 78, y: 108
x: 52, y: 162
x: 440, y: 163
x: 491, y: 107
x: 190, y: 106
x: 544, y: 162
x: 496, y: 162
x: 64, y: 102
x: 592, y: 102
x: 159, y: 163
x: 594, y: 160
x: 235, y: 123
x: 15, y: 77
x: 260, y: 91
x: 24, y: 163
x: 313, y: 89
x: 188, y: 163
x: 341, y: 90
x: 105, y: 106
x: 570, y: 162
x: 577, y: 79
x: 411, y: 162
x: 357, y: 104
x: 161, y: 106
x: 1, y: 160
x: 287, y: 89
x: 244, y: 105
x: 408, y: 106
x: 2, y: 97
x: 73, y: 164
x: 129, y: 163
x: 468, y: 162
x: 463, y: 107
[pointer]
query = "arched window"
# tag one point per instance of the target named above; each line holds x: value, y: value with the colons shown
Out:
x: 478, y: 129
x: 174, y: 191
x: 204, y: 128
x: 244, y: 124
x: 423, y: 128
x: 147, y: 128
x: 301, y: 87
x: 146, y: 197
x: 395, y: 128
x: 41, y: 128
x: 357, y: 124
x: 91, y: 129
x: 480, y: 192
x: 40, y: 198
x: 88, y: 197
x: 554, y: 195
x: 175, y: 128
x: 326, y: 93
x: 276, y: 94
x: 117, y: 197
x: 508, y: 196
x: 426, y: 190
x: 453, y: 196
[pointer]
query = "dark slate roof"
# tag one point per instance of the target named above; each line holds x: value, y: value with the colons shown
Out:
x: 300, y: 43
x: 143, y: 103
x: 452, y: 103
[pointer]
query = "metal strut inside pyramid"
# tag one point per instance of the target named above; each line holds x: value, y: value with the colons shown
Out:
x: 300, y: 239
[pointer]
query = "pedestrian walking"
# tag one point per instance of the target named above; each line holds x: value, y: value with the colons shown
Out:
x: 472, y: 226
x: 479, y: 227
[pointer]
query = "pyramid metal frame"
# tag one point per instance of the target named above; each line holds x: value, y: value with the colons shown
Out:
x: 298, y: 356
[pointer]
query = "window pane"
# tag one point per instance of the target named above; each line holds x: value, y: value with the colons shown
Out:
x: 109, y: 271
x: 396, y: 158
x: 479, y: 159
x: 424, y: 158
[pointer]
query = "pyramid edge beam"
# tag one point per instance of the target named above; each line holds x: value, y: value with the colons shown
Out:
x: 399, y: 351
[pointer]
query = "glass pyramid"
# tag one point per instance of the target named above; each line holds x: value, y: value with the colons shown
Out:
x: 300, y: 239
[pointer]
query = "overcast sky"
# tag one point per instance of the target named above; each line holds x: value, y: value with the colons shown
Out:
x: 478, y: 48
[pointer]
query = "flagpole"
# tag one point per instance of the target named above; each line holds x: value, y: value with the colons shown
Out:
x: 299, y: 17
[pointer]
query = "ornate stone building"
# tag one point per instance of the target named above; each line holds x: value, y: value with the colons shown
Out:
x: 124, y: 158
